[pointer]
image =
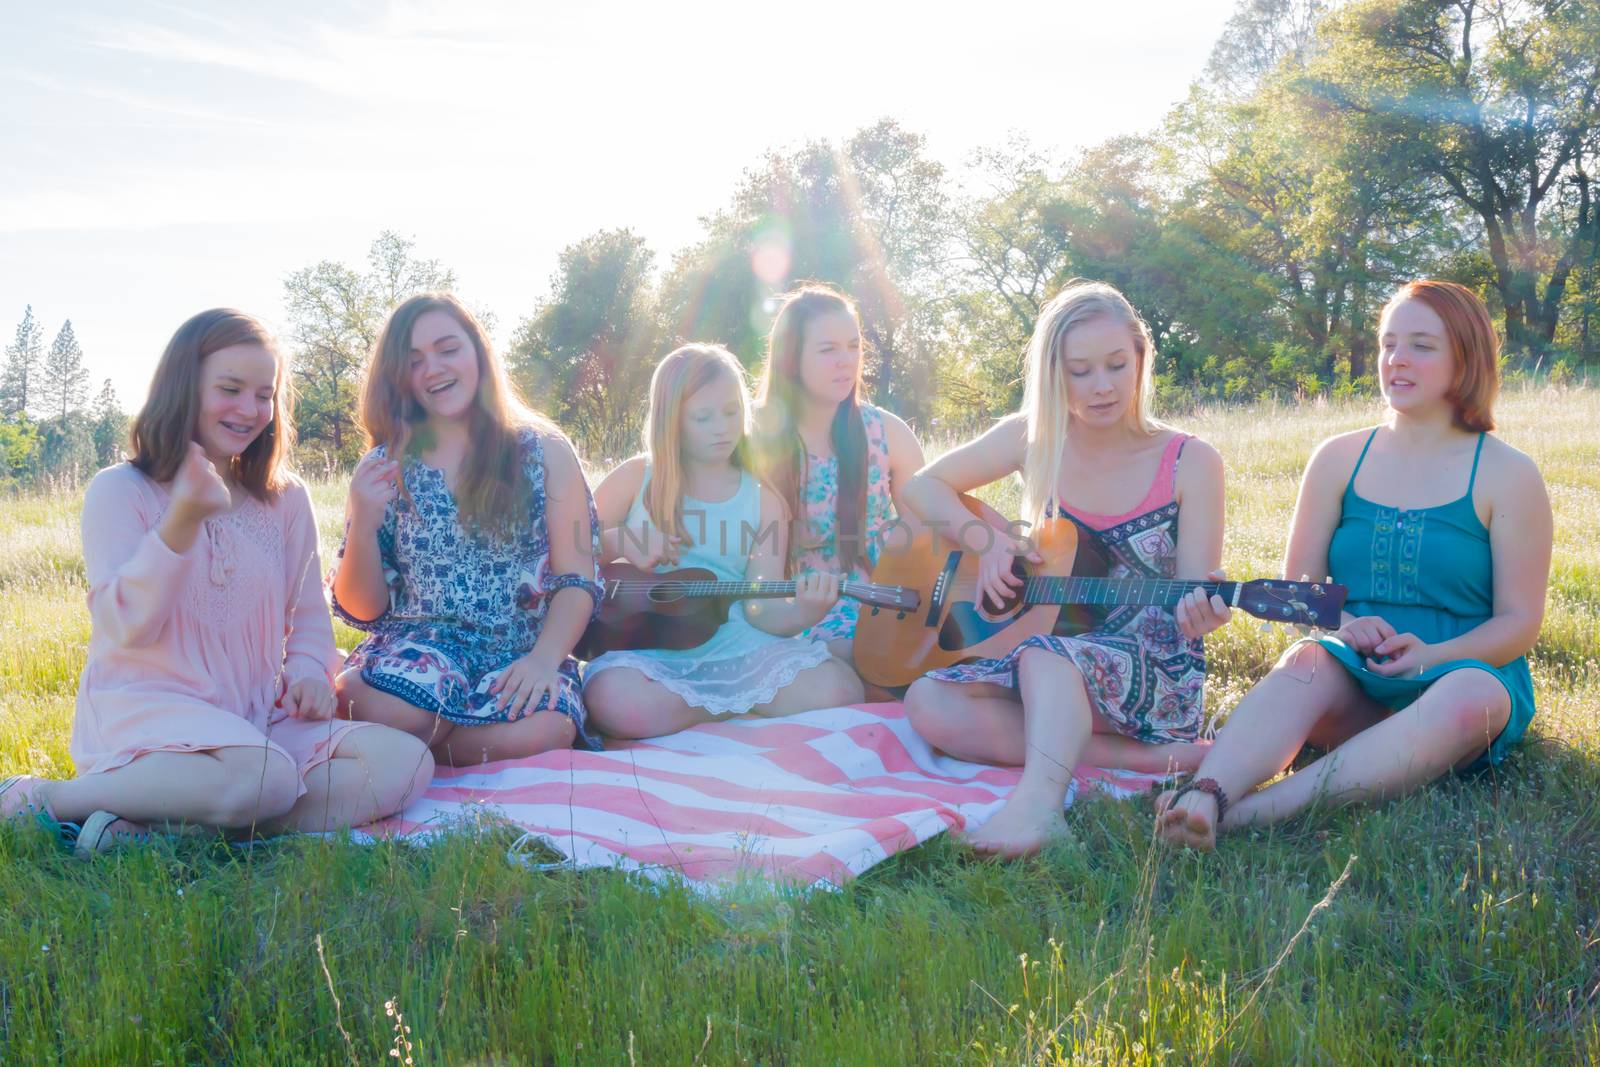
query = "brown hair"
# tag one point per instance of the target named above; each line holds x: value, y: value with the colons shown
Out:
x: 1473, y: 342
x: 680, y: 374
x: 164, y: 428
x: 779, y: 453
x: 491, y: 491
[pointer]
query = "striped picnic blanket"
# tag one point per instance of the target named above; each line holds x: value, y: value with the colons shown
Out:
x: 812, y: 799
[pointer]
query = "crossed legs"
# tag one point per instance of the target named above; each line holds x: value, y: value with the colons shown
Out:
x: 371, y: 773
x: 452, y: 745
x: 625, y: 703
x: 1048, y: 727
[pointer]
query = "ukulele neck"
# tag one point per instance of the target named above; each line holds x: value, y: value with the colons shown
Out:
x: 755, y: 590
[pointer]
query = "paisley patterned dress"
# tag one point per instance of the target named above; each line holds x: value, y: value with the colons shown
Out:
x: 464, y: 605
x: 1142, y: 675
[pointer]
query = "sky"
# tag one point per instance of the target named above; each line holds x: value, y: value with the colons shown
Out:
x: 157, y: 159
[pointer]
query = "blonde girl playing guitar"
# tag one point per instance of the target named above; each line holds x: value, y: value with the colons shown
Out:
x: 1128, y: 693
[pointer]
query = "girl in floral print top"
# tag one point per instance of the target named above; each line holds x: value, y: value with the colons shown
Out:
x: 1128, y: 692
x: 469, y: 553
x: 838, y: 464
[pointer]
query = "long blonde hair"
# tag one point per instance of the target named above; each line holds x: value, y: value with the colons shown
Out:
x: 1044, y: 397
x: 681, y: 373
x: 780, y: 455
x: 491, y: 492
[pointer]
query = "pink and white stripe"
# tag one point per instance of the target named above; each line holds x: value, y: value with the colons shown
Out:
x: 812, y: 799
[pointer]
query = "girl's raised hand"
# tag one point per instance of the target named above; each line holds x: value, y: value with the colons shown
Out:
x: 373, y: 487
x: 996, y: 583
x: 815, y: 593
x: 198, y: 490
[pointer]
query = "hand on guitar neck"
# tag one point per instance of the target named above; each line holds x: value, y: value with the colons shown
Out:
x: 963, y: 619
x: 683, y: 608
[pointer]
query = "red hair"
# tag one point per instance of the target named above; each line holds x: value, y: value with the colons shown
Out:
x: 1470, y: 332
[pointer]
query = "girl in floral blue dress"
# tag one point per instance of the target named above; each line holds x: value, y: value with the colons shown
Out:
x: 1128, y: 692
x: 692, y: 502
x: 469, y: 551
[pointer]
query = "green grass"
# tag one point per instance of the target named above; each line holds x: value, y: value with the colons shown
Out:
x: 1467, y: 930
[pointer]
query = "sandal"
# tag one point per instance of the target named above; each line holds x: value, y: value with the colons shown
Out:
x: 99, y: 834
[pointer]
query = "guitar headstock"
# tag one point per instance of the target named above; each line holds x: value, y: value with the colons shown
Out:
x: 893, y: 597
x: 1295, y: 603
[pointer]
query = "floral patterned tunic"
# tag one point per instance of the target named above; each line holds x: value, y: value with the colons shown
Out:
x: 464, y: 605
x: 818, y: 547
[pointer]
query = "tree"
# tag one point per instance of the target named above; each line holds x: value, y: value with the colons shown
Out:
x: 19, y: 383
x: 586, y: 354
x: 868, y: 217
x: 335, y: 316
x: 1260, y: 38
x: 108, y: 426
x: 1016, y: 244
x: 789, y: 221
x: 1496, y: 102
x: 66, y: 450
x: 19, y: 439
x: 64, y: 381
x: 1042, y: 223
x: 902, y: 211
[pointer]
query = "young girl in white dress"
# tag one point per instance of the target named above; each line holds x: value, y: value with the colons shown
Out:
x: 692, y: 501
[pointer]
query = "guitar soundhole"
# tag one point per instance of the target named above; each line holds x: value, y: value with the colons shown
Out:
x: 666, y: 592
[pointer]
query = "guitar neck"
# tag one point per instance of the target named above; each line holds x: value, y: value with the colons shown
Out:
x: 1158, y: 592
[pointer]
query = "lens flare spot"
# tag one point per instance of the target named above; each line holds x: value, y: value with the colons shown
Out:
x: 770, y: 258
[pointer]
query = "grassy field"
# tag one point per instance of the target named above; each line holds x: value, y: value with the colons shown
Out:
x: 1460, y: 925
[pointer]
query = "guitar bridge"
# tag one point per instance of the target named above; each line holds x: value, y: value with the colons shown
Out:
x: 941, y: 586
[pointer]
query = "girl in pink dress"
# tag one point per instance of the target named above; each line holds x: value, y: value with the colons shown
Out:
x: 208, y: 694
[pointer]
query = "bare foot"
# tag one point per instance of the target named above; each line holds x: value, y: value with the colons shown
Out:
x: 1189, y: 821
x: 1020, y: 828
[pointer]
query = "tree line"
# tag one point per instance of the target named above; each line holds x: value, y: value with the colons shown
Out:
x: 1325, y: 153
x: 50, y: 429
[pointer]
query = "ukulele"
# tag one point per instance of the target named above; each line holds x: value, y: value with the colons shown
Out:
x: 683, y: 608
x: 894, y: 651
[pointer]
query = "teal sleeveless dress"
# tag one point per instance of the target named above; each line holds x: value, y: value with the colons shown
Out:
x: 1429, y: 572
x: 740, y: 667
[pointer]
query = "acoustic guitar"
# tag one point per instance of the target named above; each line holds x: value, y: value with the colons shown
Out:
x: 683, y: 608
x: 894, y: 650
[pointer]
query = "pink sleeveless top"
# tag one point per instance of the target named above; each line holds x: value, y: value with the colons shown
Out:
x: 1161, y: 492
